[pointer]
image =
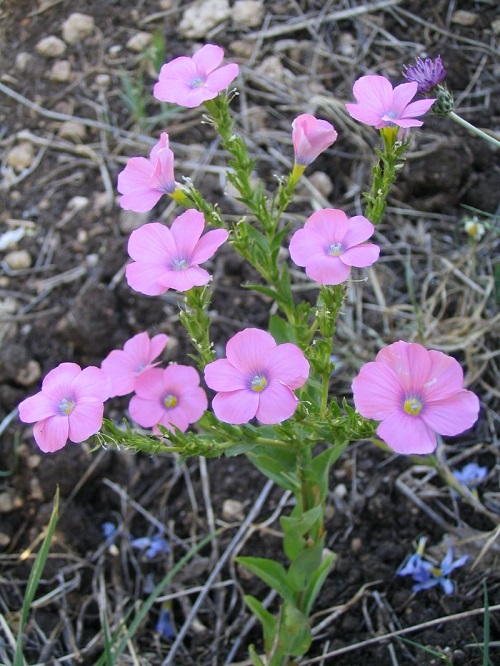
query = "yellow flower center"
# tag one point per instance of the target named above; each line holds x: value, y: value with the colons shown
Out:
x: 170, y: 401
x: 412, y: 406
x: 258, y: 383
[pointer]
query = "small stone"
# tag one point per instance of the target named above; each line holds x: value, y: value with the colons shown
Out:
x: 29, y: 374
x: 23, y: 61
x: 463, y: 17
x: 6, y: 502
x: 271, y: 68
x: 61, y: 71
x: 4, y: 540
x: 51, y: 47
x: 74, y: 131
x: 321, y: 182
x: 78, y: 203
x: 167, y: 4
x: 130, y: 220
x: 18, y: 260
x: 356, y: 545
x: 495, y: 26
x: 347, y: 44
x: 139, y: 42
x: 232, y: 510
x: 242, y: 47
x: 103, y: 80
x: 8, y: 305
x: 340, y: 491
x: 202, y: 16
x: 77, y: 27
x: 33, y: 461
x: 21, y: 156
x: 249, y: 13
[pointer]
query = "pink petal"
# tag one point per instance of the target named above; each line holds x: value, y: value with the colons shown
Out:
x: 58, y: 381
x: 92, y: 383
x: 329, y: 223
x: 157, y: 345
x: 222, y: 77
x: 358, y: 231
x: 404, y: 122
x: 146, y: 278
x: 174, y: 417
x: 136, y: 175
x: 328, y: 270
x: 407, y: 434
x: 162, y: 143
x: 364, y: 115
x: 208, y: 244
x: 183, y: 280
x: 121, y: 368
x: 361, y: 256
x: 377, y: 391
x: 51, y: 434
x: 249, y: 350
x: 137, y: 348
x: 417, y: 108
x: 277, y: 403
x: 221, y: 375
x: 179, y: 378
x: 287, y: 364
x: 152, y: 243
x: 374, y: 92
x: 445, y: 377
x: 85, y: 420
x: 163, y: 177
x: 140, y: 201
x: 208, y: 58
x: 304, y: 245
x: 186, y: 230
x: 453, y: 415
x: 410, y: 361
x: 146, y: 413
x: 150, y: 385
x: 402, y: 96
x: 37, y: 407
x: 236, y: 407
x: 193, y: 403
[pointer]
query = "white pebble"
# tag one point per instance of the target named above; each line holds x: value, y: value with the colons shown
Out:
x: 51, y: 47
x: 139, y: 42
x: 21, y: 156
x: 18, y: 260
x: 61, y: 71
x: 249, y: 13
x: 77, y: 27
x: 202, y: 16
x: 23, y: 61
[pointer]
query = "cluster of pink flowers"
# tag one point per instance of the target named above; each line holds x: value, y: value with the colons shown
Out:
x: 414, y: 393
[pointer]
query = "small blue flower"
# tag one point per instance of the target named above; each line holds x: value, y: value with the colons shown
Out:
x: 164, y: 626
x: 154, y: 545
x: 427, y: 575
x: 108, y: 529
x: 471, y: 475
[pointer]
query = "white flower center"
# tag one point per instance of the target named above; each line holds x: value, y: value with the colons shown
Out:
x: 335, y: 249
x: 180, y: 264
x: 258, y: 383
x: 66, y: 406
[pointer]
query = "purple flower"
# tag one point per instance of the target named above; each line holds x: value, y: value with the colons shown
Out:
x: 152, y: 545
x: 471, y: 475
x: 425, y: 73
x: 427, y: 575
x: 164, y: 626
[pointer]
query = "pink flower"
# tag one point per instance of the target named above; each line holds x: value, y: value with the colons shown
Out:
x: 143, y: 182
x: 123, y: 367
x: 69, y: 406
x: 192, y: 81
x: 415, y: 393
x: 168, y: 258
x: 169, y: 397
x: 379, y: 105
x: 330, y: 243
x: 311, y: 137
x: 256, y: 378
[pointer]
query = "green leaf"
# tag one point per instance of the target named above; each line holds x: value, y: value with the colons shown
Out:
x: 280, y: 468
x: 271, y: 572
x: 321, y: 464
x: 295, y: 633
x: 281, y: 330
x: 267, y: 620
x: 254, y: 657
x: 303, y: 567
x: 34, y: 579
x: 294, y: 528
x: 316, y: 582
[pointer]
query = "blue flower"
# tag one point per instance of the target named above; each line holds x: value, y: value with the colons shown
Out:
x: 471, y: 475
x: 427, y: 575
x: 154, y: 545
x: 164, y: 626
x: 108, y: 529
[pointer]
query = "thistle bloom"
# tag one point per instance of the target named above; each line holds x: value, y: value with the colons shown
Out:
x: 425, y: 73
x: 329, y: 244
x: 123, y: 366
x: 256, y: 379
x: 192, y: 81
x: 169, y: 397
x: 311, y: 137
x: 414, y: 393
x: 143, y: 182
x: 379, y: 105
x: 168, y: 258
x: 69, y: 406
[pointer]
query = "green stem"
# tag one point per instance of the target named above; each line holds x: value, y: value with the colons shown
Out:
x: 472, y: 128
